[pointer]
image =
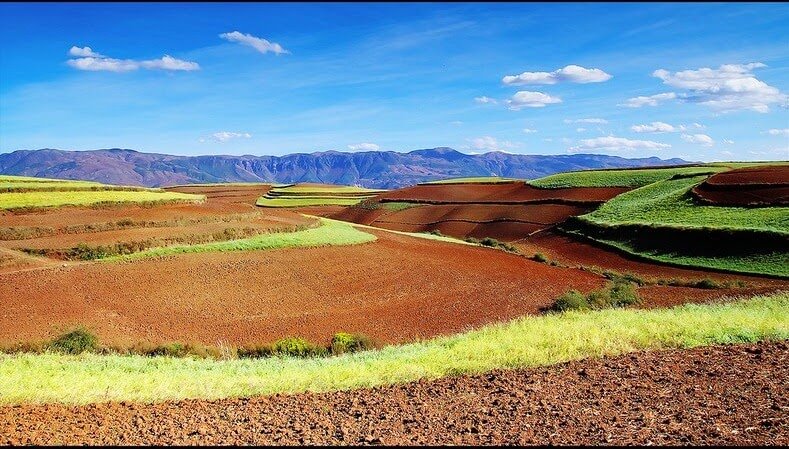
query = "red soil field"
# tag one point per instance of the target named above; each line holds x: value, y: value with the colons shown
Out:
x: 754, y: 186
x: 544, y: 214
x: 668, y: 397
x: 514, y: 192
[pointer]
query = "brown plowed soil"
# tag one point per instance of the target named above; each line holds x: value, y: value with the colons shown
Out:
x: 499, y: 193
x: 671, y: 397
x: 571, y: 252
x: 544, y: 214
x: 757, y: 186
x: 260, y: 296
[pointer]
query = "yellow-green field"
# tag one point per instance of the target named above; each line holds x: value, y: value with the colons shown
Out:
x: 301, y: 195
x: 525, y: 342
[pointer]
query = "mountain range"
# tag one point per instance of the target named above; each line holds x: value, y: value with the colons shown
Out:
x: 375, y: 169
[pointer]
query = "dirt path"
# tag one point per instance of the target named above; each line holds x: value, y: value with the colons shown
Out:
x: 697, y: 396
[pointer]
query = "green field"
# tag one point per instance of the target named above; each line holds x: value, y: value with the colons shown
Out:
x: 20, y: 200
x: 668, y: 203
x: 525, y: 342
x: 11, y: 178
x: 470, y: 180
x: 329, y: 233
x: 617, y: 178
x: 304, y: 196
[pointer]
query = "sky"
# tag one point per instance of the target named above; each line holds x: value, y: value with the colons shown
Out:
x: 700, y: 81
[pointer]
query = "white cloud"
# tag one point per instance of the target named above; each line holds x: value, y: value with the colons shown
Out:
x: 698, y: 125
x: 617, y: 144
x: 83, y: 52
x: 485, y: 100
x: 224, y: 136
x: 656, y: 127
x: 729, y: 142
x: 261, y: 45
x: 527, y: 99
x: 701, y: 139
x: 779, y: 132
x: 548, y: 139
x: 599, y: 121
x: 580, y: 130
x: 95, y: 62
x: 489, y: 143
x: 167, y: 62
x: 652, y: 100
x: 727, y: 153
x: 364, y: 147
x: 570, y: 73
x: 529, y: 130
x: 730, y: 87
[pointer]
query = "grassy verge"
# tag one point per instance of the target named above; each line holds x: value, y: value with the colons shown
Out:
x: 24, y: 200
x: 618, y: 178
x: 305, y: 202
x: 329, y: 233
x: 470, y: 180
x: 525, y: 342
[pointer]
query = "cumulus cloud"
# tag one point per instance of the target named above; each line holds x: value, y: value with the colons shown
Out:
x: 259, y: 44
x: 652, y: 100
x: 527, y: 99
x: 779, y: 132
x: 485, y: 100
x: 599, y: 121
x: 616, y: 144
x: 730, y: 87
x: 364, y: 147
x: 489, y: 143
x: 89, y: 60
x: 570, y: 73
x: 656, y: 127
x: 83, y: 52
x: 529, y: 130
x: 224, y: 136
x: 701, y: 139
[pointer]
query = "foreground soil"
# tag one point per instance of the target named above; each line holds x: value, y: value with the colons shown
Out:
x: 733, y: 395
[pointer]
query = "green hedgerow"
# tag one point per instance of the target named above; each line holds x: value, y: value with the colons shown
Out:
x: 76, y: 341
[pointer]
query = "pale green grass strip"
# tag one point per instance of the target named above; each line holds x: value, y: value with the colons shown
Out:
x: 329, y: 233
x: 304, y: 202
x: 13, y: 200
x: 526, y: 342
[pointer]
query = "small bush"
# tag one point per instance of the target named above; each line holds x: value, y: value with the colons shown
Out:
x: 76, y: 341
x: 297, y: 347
x: 572, y: 300
x: 623, y: 294
x: 435, y: 232
x: 539, y: 257
x: 255, y: 351
x: 706, y: 283
x: 343, y: 342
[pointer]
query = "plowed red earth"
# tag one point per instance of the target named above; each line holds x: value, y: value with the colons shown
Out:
x: 518, y: 192
x: 571, y: 252
x: 260, y: 296
x: 762, y: 186
x: 671, y: 397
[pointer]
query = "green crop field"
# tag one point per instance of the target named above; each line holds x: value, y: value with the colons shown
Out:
x: 470, y: 180
x: 326, y: 189
x: 617, y: 178
x: 307, y: 201
x: 668, y: 203
x: 526, y: 342
x: 19, y: 200
x: 11, y: 178
x: 329, y: 233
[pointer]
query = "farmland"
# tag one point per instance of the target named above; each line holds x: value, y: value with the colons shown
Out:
x: 619, y: 177
x: 302, y: 195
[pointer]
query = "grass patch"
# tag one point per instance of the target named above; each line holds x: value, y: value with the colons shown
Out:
x: 526, y: 342
x: 33, y: 200
x: 329, y: 233
x: 306, y: 202
x: 398, y: 205
x: 473, y: 179
x: 618, y: 177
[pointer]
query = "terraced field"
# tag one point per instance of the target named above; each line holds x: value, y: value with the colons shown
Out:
x: 305, y: 195
x: 620, y: 177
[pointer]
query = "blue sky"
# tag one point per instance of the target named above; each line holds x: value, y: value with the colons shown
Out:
x: 698, y: 81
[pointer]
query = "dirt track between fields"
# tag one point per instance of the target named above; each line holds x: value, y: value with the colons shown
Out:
x: 698, y: 396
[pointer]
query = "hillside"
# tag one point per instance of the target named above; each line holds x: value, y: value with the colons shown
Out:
x: 373, y: 169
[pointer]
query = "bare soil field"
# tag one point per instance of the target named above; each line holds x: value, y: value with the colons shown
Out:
x: 511, y: 192
x: 760, y: 186
x: 697, y: 396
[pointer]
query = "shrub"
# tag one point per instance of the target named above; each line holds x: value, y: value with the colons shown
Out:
x: 435, y: 232
x: 76, y: 341
x: 539, y: 257
x: 297, y: 347
x: 343, y: 342
x: 623, y: 294
x: 254, y: 351
x: 572, y: 300
x: 706, y: 283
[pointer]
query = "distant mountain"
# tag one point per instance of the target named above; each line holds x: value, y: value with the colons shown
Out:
x: 380, y: 169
